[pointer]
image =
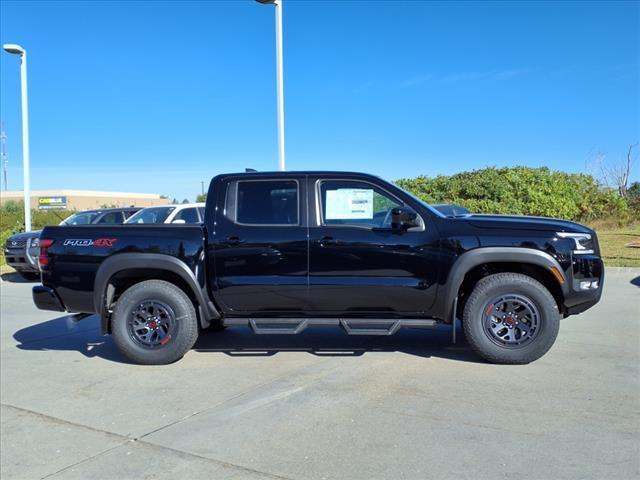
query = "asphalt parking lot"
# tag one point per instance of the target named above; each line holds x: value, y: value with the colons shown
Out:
x: 321, y: 404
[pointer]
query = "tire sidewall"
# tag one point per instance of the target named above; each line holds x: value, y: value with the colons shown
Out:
x: 182, y: 338
x: 475, y: 312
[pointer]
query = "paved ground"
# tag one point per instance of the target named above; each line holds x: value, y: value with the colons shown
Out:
x: 321, y: 405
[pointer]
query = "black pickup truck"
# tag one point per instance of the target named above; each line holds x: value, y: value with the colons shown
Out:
x: 280, y: 252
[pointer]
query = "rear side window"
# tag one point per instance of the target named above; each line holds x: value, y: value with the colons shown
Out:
x: 111, y: 218
x: 270, y: 202
x: 189, y: 215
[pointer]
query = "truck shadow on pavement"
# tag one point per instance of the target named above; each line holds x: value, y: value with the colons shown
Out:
x: 64, y: 334
x: 15, y: 277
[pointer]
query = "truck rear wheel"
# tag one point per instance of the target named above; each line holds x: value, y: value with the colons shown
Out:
x: 154, y: 323
x: 511, y: 318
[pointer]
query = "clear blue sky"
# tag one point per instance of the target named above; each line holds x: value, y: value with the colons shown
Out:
x: 155, y: 97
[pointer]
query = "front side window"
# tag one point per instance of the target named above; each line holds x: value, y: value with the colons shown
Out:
x: 188, y: 215
x: 80, y: 218
x: 355, y: 203
x: 151, y: 215
x: 272, y: 202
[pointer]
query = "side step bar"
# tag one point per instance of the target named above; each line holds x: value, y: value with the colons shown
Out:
x: 352, y: 326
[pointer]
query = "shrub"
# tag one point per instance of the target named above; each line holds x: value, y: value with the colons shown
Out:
x: 522, y: 191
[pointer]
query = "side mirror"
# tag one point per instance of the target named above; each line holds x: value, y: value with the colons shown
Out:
x: 404, y: 218
x: 179, y: 221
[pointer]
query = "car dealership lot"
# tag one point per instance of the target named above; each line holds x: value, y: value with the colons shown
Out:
x: 321, y: 404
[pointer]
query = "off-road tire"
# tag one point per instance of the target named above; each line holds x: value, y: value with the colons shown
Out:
x: 494, y: 286
x: 183, y: 336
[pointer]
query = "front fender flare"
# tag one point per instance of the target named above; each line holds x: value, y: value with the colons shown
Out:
x: 481, y: 255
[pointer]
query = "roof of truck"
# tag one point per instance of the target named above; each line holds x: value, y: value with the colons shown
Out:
x: 293, y: 173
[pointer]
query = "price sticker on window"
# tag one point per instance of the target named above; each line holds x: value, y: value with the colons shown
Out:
x: 349, y: 204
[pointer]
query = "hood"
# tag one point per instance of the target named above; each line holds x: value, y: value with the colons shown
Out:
x: 521, y: 222
x: 25, y: 235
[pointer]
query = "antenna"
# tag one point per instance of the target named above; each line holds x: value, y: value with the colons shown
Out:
x: 3, y: 153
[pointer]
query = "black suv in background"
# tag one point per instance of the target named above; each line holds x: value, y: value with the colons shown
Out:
x: 21, y: 250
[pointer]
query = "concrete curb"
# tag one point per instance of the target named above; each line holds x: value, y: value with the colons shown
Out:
x: 635, y: 270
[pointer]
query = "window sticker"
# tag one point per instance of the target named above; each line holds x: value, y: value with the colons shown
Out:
x: 349, y: 204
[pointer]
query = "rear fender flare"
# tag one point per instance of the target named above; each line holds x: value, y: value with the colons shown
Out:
x: 128, y: 261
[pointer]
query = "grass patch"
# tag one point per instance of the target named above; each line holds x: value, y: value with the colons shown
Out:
x: 4, y: 268
x: 613, y: 241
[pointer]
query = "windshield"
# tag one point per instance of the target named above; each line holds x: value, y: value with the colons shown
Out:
x: 151, y: 215
x: 422, y: 202
x: 80, y: 218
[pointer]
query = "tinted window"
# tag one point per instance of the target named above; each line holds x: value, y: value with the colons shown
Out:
x: 189, y: 215
x: 111, y: 218
x: 201, y: 211
x: 81, y: 218
x: 151, y: 215
x: 267, y: 202
x: 356, y: 203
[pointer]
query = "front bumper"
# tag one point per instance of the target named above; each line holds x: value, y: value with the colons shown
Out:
x: 46, y: 298
x: 22, y: 259
x: 584, y: 269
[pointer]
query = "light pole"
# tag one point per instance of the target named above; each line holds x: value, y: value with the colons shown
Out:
x: 279, y: 75
x: 18, y: 50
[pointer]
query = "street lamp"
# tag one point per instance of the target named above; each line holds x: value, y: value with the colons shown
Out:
x: 18, y: 50
x: 279, y: 75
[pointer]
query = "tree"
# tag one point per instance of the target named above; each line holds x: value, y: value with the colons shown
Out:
x: 633, y: 196
x: 617, y: 176
x: 201, y: 198
x: 174, y: 201
x: 186, y: 200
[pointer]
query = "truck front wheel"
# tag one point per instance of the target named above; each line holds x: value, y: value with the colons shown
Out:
x: 511, y: 318
x: 154, y: 323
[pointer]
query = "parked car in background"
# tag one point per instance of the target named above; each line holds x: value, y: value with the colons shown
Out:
x: 184, y: 213
x: 21, y: 250
x: 451, y: 210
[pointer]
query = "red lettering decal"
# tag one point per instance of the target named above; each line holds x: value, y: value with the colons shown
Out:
x: 105, y: 242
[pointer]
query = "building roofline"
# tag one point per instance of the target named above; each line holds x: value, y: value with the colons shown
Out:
x: 79, y: 193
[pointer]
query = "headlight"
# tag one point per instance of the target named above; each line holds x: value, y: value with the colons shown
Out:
x: 583, y: 242
x: 35, y: 242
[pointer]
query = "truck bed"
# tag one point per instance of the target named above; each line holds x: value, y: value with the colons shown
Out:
x: 77, y: 253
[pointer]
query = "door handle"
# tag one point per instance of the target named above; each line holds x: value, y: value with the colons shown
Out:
x: 326, y: 241
x: 233, y: 240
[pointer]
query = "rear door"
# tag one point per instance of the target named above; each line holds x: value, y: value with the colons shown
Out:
x: 357, y: 264
x: 260, y: 245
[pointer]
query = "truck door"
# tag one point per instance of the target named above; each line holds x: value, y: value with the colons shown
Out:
x: 260, y: 245
x: 358, y: 265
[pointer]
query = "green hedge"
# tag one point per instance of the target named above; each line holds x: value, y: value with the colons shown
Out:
x: 523, y: 191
